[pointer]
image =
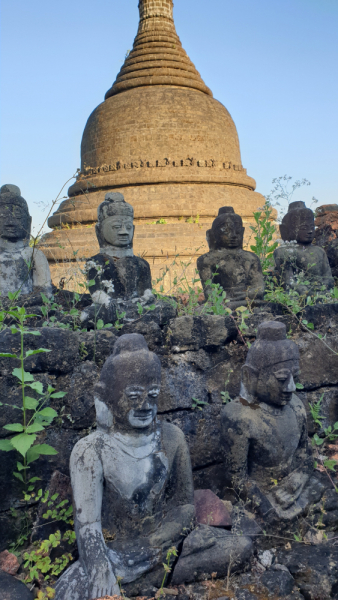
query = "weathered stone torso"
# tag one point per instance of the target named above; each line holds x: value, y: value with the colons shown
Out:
x: 15, y: 273
x: 129, y: 275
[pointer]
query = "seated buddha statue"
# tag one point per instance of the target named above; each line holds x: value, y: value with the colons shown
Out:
x: 238, y: 271
x: 264, y: 431
x: 131, y: 481
x: 301, y: 265
x: 23, y: 268
x: 117, y: 273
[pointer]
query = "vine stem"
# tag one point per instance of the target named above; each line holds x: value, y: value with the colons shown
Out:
x: 23, y: 400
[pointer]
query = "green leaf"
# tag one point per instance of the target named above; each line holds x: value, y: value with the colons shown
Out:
x: 34, y: 428
x: 330, y: 464
x: 40, y: 449
x: 40, y: 351
x: 23, y: 442
x: 20, y: 466
x: 31, y: 403
x: 19, y: 476
x: 14, y: 330
x: 6, y: 445
x: 7, y: 355
x: 299, y: 386
x: 335, y: 427
x: 27, y: 376
x: 33, y: 332
x: 99, y: 324
x: 14, y: 427
x: 37, y: 386
x: 58, y: 395
x: 48, y: 412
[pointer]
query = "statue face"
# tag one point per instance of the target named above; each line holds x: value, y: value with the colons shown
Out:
x: 14, y: 222
x: 118, y: 231
x: 305, y: 232
x: 133, y: 390
x: 274, y: 384
x: 229, y: 233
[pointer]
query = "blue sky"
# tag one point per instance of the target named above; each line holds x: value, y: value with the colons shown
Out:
x: 273, y: 64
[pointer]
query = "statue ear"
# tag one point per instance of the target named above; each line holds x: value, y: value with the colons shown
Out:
x: 283, y: 232
x: 104, y: 415
x: 211, y: 239
x: 249, y: 383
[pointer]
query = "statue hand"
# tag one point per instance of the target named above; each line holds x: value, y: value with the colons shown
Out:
x: 102, y: 581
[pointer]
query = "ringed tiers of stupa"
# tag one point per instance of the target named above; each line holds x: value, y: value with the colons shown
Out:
x: 162, y: 140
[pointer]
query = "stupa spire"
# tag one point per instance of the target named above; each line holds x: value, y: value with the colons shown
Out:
x: 157, y: 57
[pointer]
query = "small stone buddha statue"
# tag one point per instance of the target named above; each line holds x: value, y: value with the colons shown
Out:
x: 301, y: 266
x: 264, y: 431
x: 238, y: 271
x: 131, y: 481
x: 22, y: 268
x: 116, y: 271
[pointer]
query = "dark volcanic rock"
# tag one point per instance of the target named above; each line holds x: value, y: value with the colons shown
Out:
x: 13, y: 589
x: 278, y: 582
x: 314, y: 568
x: 62, y: 358
x: 318, y: 364
x: 207, y: 550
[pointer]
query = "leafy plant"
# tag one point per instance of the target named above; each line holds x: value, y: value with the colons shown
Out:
x: 196, y: 403
x: 38, y: 562
x: 36, y: 415
x: 264, y: 232
x: 172, y: 552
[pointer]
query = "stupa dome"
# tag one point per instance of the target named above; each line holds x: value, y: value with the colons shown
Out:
x: 162, y: 140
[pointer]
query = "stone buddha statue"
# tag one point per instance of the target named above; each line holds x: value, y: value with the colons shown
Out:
x: 22, y: 268
x: 131, y: 480
x: 116, y: 271
x: 264, y: 431
x: 238, y: 271
x: 301, y: 266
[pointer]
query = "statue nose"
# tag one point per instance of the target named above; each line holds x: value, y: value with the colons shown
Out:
x: 289, y: 384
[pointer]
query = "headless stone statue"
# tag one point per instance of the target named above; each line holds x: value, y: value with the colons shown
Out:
x: 301, y: 265
x: 131, y: 480
x: 264, y: 432
x: 22, y: 268
x: 116, y: 271
x: 239, y: 272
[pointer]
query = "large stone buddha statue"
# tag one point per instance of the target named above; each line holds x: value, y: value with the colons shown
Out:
x: 117, y: 273
x: 301, y: 265
x: 264, y: 431
x: 238, y: 271
x: 131, y: 479
x: 22, y: 268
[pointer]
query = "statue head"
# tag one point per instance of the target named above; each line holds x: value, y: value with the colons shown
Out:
x: 271, y: 365
x: 15, y: 220
x: 227, y: 230
x: 115, y: 226
x: 127, y: 393
x: 298, y: 224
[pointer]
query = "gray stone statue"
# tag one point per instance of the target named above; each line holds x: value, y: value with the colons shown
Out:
x: 238, y: 271
x: 131, y: 480
x: 22, y: 268
x: 264, y: 431
x: 301, y: 265
x: 116, y: 271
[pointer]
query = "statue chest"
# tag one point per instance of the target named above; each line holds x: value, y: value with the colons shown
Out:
x: 15, y: 274
x: 276, y: 438
x: 134, y: 485
x: 232, y: 271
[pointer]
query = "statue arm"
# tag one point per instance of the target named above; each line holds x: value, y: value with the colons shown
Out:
x: 235, y: 433
x: 327, y: 273
x: 180, y: 516
x: 87, y: 484
x: 205, y: 273
x: 283, y: 264
x: 41, y: 272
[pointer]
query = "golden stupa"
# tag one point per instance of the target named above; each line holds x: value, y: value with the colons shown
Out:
x: 162, y: 140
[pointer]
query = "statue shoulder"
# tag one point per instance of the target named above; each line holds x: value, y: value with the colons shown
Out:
x: 173, y: 437
x: 236, y: 410
x: 298, y: 406
x: 87, y: 449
